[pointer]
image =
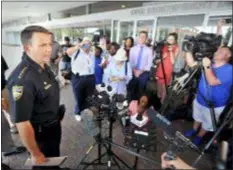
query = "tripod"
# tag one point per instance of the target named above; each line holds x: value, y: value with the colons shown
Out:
x: 112, y: 158
x: 106, y: 142
x: 177, y: 88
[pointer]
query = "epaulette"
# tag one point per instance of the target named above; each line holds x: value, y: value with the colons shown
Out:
x: 21, y: 74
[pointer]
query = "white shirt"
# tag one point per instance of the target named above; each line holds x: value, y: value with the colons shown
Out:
x: 83, y: 64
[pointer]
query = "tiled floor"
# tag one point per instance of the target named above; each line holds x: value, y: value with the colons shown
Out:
x: 75, y: 142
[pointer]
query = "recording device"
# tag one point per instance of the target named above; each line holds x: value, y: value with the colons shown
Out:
x: 178, y: 142
x: 158, y: 46
x: 139, y: 132
x: 103, y: 103
x: 203, y: 45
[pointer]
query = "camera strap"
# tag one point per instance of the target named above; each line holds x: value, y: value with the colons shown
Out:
x: 208, y: 92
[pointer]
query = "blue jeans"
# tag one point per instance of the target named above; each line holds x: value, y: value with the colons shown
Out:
x: 65, y: 65
x: 74, y: 82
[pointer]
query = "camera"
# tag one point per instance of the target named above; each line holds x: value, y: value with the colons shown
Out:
x: 107, y: 100
x: 203, y: 45
x: 158, y: 46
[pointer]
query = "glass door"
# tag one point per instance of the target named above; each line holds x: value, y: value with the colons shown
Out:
x: 126, y: 30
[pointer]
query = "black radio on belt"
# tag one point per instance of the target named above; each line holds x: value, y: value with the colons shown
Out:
x: 61, y: 112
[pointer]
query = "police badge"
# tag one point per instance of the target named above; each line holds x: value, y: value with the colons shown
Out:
x: 17, y: 92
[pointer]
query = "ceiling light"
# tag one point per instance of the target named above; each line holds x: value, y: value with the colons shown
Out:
x: 123, y: 6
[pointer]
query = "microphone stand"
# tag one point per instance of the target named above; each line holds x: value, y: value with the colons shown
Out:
x: 163, y: 70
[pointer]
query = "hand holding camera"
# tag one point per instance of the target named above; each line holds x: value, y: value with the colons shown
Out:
x: 206, y: 62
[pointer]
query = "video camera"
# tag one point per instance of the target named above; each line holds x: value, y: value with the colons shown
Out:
x: 106, y: 100
x: 203, y: 45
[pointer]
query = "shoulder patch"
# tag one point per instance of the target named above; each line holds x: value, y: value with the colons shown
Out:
x: 17, y: 92
x: 22, y: 72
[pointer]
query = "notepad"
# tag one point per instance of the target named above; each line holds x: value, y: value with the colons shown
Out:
x: 52, y: 161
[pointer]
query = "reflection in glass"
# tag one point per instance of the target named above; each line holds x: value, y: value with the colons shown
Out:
x: 126, y: 29
x: 145, y: 25
x: 182, y: 25
x: 114, y: 37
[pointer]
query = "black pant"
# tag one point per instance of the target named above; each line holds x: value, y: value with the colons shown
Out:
x: 82, y: 87
x: 137, y: 86
x: 48, y: 139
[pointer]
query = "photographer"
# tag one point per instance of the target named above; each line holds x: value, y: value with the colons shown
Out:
x: 214, y: 87
x: 83, y: 79
x: 169, y: 53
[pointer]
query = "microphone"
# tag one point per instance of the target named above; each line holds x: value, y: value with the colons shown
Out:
x: 139, y: 117
x: 89, y: 122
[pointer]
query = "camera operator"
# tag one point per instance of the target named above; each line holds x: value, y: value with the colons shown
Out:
x: 177, y: 164
x: 214, y: 86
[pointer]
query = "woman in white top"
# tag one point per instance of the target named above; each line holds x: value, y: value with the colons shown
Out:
x: 119, y: 72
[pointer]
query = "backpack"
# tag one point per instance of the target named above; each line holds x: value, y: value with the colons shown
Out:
x: 67, y: 74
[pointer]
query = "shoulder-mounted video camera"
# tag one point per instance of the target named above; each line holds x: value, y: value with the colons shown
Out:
x: 202, y: 45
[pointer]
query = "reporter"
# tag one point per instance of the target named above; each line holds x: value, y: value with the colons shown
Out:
x: 169, y: 54
x: 177, y: 164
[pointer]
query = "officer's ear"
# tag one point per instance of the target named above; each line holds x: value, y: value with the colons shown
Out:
x: 26, y: 47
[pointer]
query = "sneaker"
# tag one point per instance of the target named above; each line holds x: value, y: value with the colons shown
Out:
x: 78, y: 118
x: 14, y: 130
x: 197, y: 140
x: 190, y: 133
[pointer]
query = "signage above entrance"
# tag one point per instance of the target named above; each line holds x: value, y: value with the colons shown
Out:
x: 180, y: 7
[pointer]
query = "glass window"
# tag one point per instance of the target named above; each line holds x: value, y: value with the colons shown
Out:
x: 226, y: 28
x: 145, y: 25
x: 126, y: 29
x: 115, y: 25
x: 183, y: 25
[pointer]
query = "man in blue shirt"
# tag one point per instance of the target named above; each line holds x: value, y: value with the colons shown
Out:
x: 98, y: 68
x: 214, y: 87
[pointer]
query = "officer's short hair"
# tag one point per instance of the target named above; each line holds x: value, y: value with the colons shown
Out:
x: 26, y: 34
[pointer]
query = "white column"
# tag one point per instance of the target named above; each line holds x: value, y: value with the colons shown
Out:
x: 134, y: 29
x: 111, y: 38
x: 87, y: 9
x: 118, y: 32
x: 230, y: 40
x: 205, y: 22
x: 154, y: 30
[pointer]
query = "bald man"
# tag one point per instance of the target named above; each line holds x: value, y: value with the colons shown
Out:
x: 214, y: 87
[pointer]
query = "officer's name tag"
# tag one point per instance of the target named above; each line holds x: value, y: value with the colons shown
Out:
x: 47, y: 86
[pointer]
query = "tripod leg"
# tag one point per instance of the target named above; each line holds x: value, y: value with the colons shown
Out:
x: 136, y: 160
x: 121, y: 161
x: 99, y: 153
x: 87, y: 153
x: 114, y: 159
x: 115, y: 156
x: 99, y: 158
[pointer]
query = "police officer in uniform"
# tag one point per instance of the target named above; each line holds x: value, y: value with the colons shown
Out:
x: 34, y: 96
